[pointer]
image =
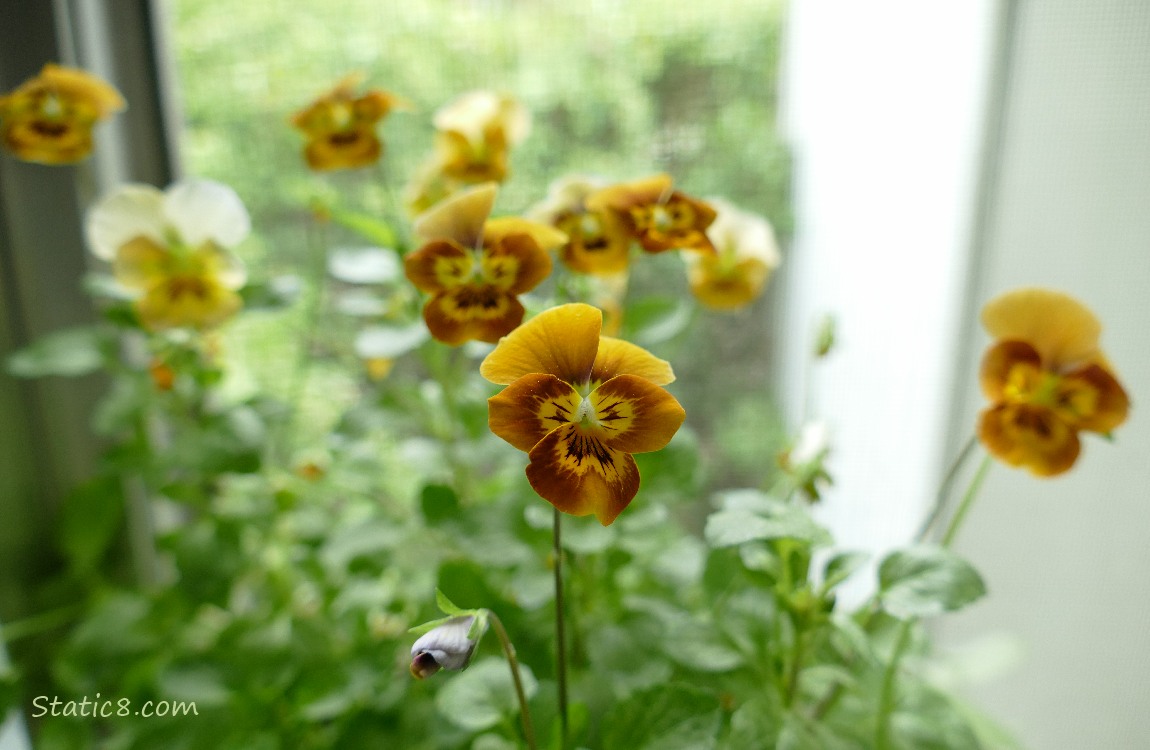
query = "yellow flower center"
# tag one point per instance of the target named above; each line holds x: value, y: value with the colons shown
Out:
x: 1070, y: 399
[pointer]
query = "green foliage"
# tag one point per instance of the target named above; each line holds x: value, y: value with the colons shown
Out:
x: 273, y: 519
x: 927, y: 581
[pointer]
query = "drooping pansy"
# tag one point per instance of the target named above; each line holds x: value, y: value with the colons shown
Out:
x: 49, y: 118
x: 746, y: 254
x: 1047, y: 380
x: 580, y: 404
x: 340, y: 126
x: 172, y: 249
x: 474, y: 267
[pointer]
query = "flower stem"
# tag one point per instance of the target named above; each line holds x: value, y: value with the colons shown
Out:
x: 967, y: 501
x: 887, y: 692
x: 887, y: 695
x: 560, y: 632
x: 281, y: 448
x: 944, y: 488
x: 513, y: 663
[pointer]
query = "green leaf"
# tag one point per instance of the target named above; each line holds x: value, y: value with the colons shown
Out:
x: 68, y: 352
x: 841, y: 567
x: 482, y: 696
x: 726, y: 528
x: 364, y: 265
x: 926, y: 581
x: 654, y: 320
x: 439, y: 503
x: 389, y: 342
x: 668, y: 717
x: 446, y: 606
x: 90, y: 519
x: 272, y: 294
x: 376, y: 230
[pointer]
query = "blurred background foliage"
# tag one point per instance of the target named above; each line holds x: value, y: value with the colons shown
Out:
x: 303, y: 510
x: 621, y: 90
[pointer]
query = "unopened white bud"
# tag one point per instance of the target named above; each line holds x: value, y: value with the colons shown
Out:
x: 445, y: 647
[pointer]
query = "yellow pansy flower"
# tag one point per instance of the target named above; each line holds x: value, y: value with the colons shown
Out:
x: 656, y: 215
x: 747, y: 254
x: 475, y: 268
x: 1047, y: 380
x: 580, y: 404
x: 49, y: 118
x: 475, y: 133
x: 340, y: 126
x: 172, y: 249
x: 598, y: 241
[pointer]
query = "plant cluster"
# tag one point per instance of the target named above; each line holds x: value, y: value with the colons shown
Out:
x: 229, y: 555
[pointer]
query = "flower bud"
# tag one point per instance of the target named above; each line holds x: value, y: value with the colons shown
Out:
x: 445, y: 647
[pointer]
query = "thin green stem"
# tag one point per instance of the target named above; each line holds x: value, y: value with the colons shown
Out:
x: 560, y: 632
x: 796, y: 665
x: 513, y: 663
x: 887, y: 693
x: 944, y: 488
x: 967, y: 501
x: 317, y: 247
x: 38, y: 623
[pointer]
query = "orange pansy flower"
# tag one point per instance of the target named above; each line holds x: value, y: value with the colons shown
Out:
x: 580, y: 404
x: 49, y: 118
x: 475, y: 134
x: 1047, y: 380
x: 475, y: 268
x: 598, y: 242
x: 656, y: 215
x: 747, y: 254
x: 340, y: 126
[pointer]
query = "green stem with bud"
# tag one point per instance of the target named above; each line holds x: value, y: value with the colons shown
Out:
x: 513, y: 663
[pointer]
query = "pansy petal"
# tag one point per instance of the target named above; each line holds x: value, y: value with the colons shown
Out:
x: 618, y: 357
x: 344, y: 150
x: 624, y: 196
x: 516, y: 264
x: 437, y: 266
x: 187, y: 302
x: 221, y: 263
x: 1029, y: 436
x: 534, y: 405
x: 141, y: 263
x: 73, y: 82
x: 129, y: 212
x: 471, y: 312
x: 598, y: 242
x: 1060, y: 328
x: 635, y: 415
x: 561, y: 341
x: 725, y: 285
x: 460, y: 217
x: 1001, y: 361
x: 206, y: 211
x: 546, y: 237
x: 1108, y: 402
x: 580, y: 476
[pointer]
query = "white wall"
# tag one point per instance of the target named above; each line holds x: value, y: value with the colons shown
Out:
x: 1067, y: 560
x: 883, y: 107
